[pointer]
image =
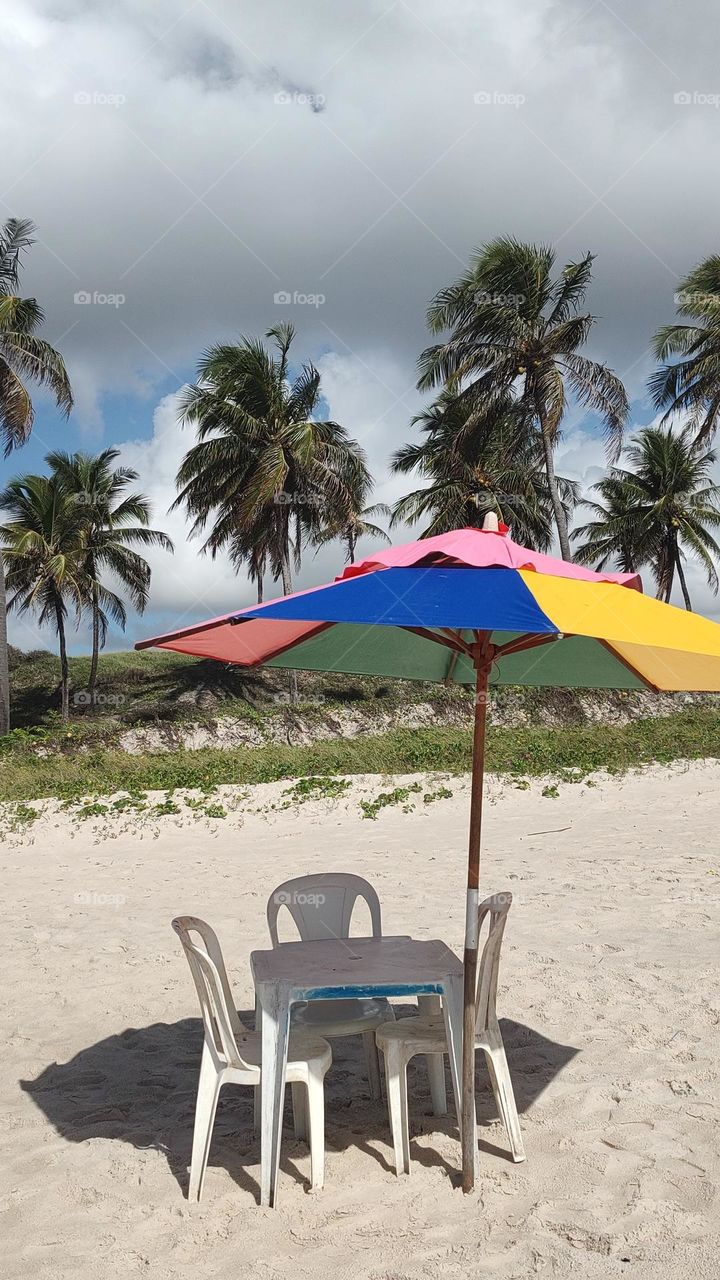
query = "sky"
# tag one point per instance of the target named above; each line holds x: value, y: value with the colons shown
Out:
x: 192, y: 166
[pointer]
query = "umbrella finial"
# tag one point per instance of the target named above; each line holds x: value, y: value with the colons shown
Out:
x: 490, y: 523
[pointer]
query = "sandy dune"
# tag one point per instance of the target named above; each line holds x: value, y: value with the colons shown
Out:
x: 609, y: 991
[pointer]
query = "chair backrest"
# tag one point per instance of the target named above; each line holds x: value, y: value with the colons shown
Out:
x: 322, y: 905
x: 496, y: 909
x: 222, y: 1025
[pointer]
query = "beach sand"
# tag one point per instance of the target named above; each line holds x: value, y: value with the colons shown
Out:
x: 609, y: 1001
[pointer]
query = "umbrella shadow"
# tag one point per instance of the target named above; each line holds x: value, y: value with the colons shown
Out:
x: 139, y: 1086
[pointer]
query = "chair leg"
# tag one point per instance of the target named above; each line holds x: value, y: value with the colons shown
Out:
x: 431, y: 1006
x: 373, y: 1065
x: 504, y: 1096
x: 316, y: 1127
x: 209, y: 1087
x: 257, y: 1090
x: 436, y: 1076
x: 396, y: 1083
x: 299, y: 1097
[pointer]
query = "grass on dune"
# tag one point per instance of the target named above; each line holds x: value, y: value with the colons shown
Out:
x: 154, y: 686
x: 690, y: 734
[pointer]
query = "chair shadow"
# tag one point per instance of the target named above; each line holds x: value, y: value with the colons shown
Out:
x: 534, y: 1062
x: 139, y: 1086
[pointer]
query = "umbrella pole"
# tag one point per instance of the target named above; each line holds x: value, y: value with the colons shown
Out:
x: 470, y: 958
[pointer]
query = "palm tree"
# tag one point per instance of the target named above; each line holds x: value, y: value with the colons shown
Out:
x: 356, y: 525
x: 494, y: 465
x: 659, y: 511
x: 614, y: 538
x: 113, y: 523
x: 23, y: 355
x: 265, y: 470
x: 359, y: 524
x: 513, y: 328
x: 691, y: 385
x: 356, y: 522
x: 44, y: 557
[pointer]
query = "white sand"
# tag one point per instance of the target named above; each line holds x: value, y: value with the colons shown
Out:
x: 609, y: 986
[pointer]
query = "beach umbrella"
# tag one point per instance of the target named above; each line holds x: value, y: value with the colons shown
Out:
x: 475, y: 608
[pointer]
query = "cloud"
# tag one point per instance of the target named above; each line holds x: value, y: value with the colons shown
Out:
x: 179, y: 157
x: 186, y: 585
x: 197, y: 160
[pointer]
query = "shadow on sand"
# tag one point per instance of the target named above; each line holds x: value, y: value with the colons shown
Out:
x: 139, y: 1087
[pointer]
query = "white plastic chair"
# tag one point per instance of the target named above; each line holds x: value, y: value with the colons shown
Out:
x: 401, y: 1041
x: 321, y: 906
x: 232, y: 1055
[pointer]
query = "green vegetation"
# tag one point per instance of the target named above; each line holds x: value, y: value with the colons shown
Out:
x: 165, y: 807
x: 525, y: 752
x: 442, y: 793
x: 268, y: 477
x: 510, y: 328
x: 399, y: 795
x: 155, y: 686
x: 24, y: 357
x: 62, y: 534
x: 475, y: 460
x: 134, y: 803
x: 83, y: 760
x: 111, y: 525
x: 22, y: 814
x: 688, y: 379
x: 659, y: 512
x: 266, y: 473
x: 315, y: 789
x: 14, y: 816
x: 92, y: 810
x: 567, y: 754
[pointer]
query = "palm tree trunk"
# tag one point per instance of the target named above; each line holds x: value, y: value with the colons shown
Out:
x: 351, y: 547
x: 285, y: 572
x: 683, y: 583
x: 560, y: 518
x: 665, y: 591
x: 4, y: 663
x: 260, y: 588
x: 64, y: 670
x: 666, y: 570
x: 287, y: 589
x: 95, y: 647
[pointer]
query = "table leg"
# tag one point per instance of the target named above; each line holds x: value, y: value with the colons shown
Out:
x: 429, y: 1006
x: 275, y: 1018
x: 453, y: 1011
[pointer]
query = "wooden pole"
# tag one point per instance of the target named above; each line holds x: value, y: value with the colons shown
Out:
x: 467, y: 1129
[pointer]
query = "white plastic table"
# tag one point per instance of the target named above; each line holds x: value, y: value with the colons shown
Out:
x: 338, y: 969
